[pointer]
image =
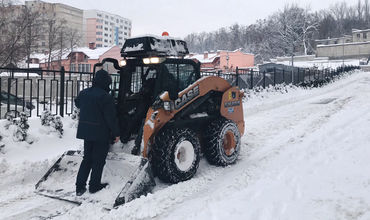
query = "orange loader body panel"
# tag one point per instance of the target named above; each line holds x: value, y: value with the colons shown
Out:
x: 231, y: 106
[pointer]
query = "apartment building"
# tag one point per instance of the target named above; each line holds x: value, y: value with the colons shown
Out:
x: 71, y: 17
x: 105, y: 29
x: 356, y: 45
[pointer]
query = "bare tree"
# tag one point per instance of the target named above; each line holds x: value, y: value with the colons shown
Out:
x: 33, y: 32
x: 73, y: 39
x: 53, y: 36
x: 13, y: 27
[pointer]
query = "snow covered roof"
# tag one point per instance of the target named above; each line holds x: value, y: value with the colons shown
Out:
x: 21, y: 74
x: 154, y: 46
x: 202, y: 59
x: 91, y: 53
x: 211, y: 56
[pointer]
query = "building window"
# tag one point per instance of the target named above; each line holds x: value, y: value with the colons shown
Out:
x: 98, y: 45
x: 43, y: 44
x: 73, y: 67
x: 99, y: 15
x: 99, y: 39
x: 106, y: 22
x: 99, y: 33
x: 106, y: 41
x: 125, y: 28
x: 106, y: 35
x: 364, y: 35
x: 358, y: 35
x: 84, y: 67
x: 126, y: 33
x: 99, y: 26
x: 106, y: 28
x: 106, y: 16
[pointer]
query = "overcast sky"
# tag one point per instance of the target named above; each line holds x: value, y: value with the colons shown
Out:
x: 181, y: 17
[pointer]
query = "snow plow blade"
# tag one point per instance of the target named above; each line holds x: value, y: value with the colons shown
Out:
x: 129, y: 177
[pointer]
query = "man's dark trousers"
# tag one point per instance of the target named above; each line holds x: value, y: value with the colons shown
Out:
x: 95, y: 153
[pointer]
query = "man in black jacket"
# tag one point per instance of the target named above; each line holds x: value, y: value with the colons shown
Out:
x: 97, y: 126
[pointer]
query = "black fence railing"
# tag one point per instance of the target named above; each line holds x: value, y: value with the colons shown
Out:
x: 35, y: 90
x: 250, y: 79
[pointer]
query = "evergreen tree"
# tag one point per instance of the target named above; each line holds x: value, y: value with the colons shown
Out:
x: 20, y: 133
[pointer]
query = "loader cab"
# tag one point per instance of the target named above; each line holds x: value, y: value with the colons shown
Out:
x: 149, y: 67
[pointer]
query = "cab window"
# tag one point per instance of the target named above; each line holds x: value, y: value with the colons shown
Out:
x: 185, y: 73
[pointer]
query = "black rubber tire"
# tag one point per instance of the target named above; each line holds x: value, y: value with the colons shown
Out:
x: 213, y: 145
x: 163, y: 154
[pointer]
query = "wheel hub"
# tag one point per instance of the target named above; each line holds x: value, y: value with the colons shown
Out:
x: 229, y: 143
x: 184, y: 155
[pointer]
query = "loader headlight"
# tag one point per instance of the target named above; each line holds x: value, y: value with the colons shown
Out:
x: 153, y: 60
x: 122, y: 63
x: 146, y: 60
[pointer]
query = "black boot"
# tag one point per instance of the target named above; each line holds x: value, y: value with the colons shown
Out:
x: 80, y: 191
x: 94, y: 189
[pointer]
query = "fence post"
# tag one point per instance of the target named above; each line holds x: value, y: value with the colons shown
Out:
x: 274, y: 76
x: 61, y: 97
x: 251, y: 78
x: 264, y: 79
x: 237, y: 76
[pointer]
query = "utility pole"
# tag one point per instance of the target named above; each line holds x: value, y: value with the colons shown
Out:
x: 292, y: 62
x: 343, y: 53
x: 227, y: 59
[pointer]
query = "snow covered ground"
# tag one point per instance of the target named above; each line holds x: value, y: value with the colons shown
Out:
x: 305, y: 155
x: 322, y: 63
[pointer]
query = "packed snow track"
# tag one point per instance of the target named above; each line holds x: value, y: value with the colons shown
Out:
x: 305, y: 155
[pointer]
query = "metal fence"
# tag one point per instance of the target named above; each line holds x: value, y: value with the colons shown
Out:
x: 250, y: 79
x: 35, y: 90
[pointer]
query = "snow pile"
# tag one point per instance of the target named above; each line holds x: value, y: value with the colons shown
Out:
x: 46, y: 144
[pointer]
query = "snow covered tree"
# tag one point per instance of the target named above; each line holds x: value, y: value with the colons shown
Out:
x: 46, y: 118
x: 2, y: 145
x: 9, y: 121
x: 52, y: 121
x: 57, y: 124
x: 75, y: 114
x: 22, y: 126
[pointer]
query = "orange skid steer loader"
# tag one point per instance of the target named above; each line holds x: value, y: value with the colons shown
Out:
x: 174, y: 113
